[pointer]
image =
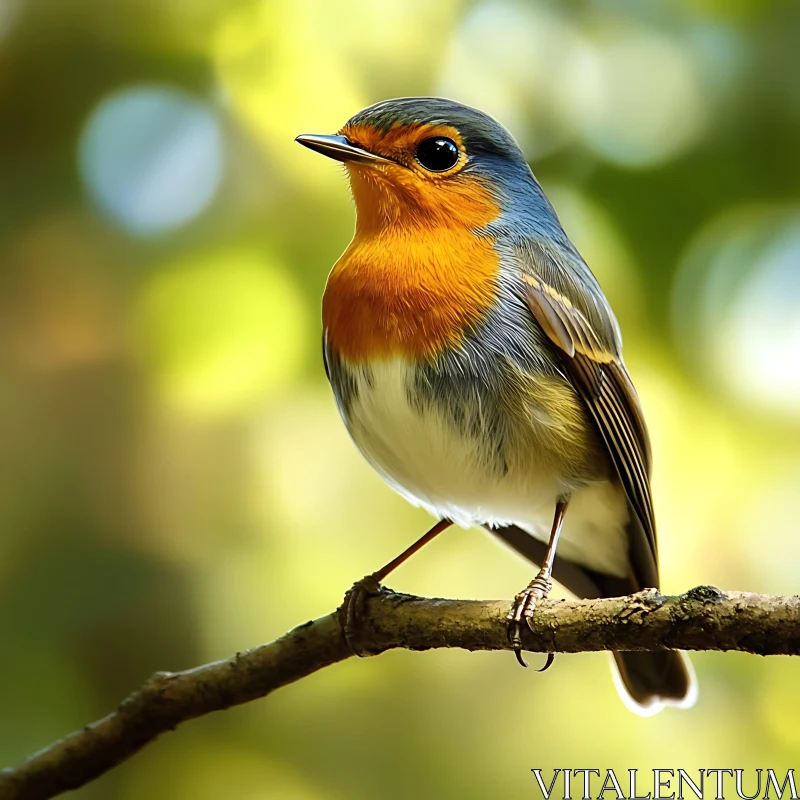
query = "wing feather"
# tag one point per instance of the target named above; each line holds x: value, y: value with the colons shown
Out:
x: 584, y: 329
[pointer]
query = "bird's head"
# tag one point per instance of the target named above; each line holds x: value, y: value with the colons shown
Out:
x: 425, y: 161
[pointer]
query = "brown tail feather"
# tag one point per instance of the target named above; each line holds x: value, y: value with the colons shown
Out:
x: 653, y: 680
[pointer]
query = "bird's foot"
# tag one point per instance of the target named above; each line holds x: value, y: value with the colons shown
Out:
x: 351, y: 611
x: 522, y: 610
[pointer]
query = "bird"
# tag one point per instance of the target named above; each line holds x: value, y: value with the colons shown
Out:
x: 477, y: 366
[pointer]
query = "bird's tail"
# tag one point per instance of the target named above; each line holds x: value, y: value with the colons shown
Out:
x: 649, y: 681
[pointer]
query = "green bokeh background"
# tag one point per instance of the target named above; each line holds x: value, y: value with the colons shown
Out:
x: 176, y: 483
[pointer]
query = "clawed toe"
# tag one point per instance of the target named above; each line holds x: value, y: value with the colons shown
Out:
x: 515, y: 638
x: 551, y: 657
x: 351, y: 612
x: 522, y: 611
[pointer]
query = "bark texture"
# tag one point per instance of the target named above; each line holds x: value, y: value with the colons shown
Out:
x: 702, y: 619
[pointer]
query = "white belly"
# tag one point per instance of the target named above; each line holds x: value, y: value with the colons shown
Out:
x: 436, y: 465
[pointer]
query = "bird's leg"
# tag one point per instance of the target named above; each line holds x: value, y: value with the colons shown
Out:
x: 352, y: 609
x: 537, y: 589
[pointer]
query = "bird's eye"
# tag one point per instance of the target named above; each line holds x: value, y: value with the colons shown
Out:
x: 438, y: 154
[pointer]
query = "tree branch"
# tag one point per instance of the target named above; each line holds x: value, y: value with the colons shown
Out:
x: 702, y: 619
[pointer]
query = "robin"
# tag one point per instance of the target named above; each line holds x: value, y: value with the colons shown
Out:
x: 478, y: 366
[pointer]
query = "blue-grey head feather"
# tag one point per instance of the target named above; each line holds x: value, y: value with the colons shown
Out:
x: 492, y: 153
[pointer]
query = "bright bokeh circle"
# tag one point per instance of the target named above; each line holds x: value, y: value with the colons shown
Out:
x: 152, y: 157
x: 736, y: 307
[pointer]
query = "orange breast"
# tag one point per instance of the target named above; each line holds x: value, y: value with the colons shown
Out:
x: 408, y: 295
x: 417, y: 275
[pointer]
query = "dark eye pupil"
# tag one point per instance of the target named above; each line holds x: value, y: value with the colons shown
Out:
x: 437, y: 154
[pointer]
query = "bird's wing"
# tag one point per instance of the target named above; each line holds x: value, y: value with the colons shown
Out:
x: 569, y: 306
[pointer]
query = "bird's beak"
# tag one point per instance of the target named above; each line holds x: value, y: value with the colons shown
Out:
x: 339, y: 148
